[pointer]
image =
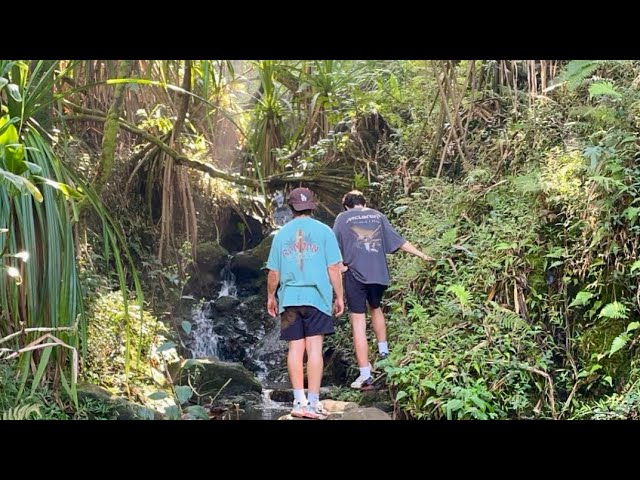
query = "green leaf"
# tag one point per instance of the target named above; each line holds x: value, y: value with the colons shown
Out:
x: 158, y: 395
x: 614, y: 310
x: 41, y: 366
x: 186, y: 326
x: 145, y: 413
x: 68, y: 191
x: 173, y: 412
x: 166, y: 346
x: 192, y: 362
x: 633, y: 326
x: 14, y: 91
x: 184, y: 393
x: 635, y: 266
x: 607, y: 89
x: 14, y: 158
x: 3, y: 82
x: 400, y: 395
x: 5, y: 123
x: 582, y: 298
x: 197, y: 411
x: 22, y: 184
x: 8, y: 133
x: 619, y: 342
x: 609, y: 380
x: 33, y: 168
x: 400, y: 210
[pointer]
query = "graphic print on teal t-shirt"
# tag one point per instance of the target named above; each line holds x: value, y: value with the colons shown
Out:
x: 301, y: 252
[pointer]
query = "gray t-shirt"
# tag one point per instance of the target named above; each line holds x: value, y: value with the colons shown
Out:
x: 365, y: 237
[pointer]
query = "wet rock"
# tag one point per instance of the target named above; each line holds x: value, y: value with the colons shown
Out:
x: 205, y: 274
x: 211, y: 257
x: 338, y: 410
x: 335, y: 368
x: 368, y: 413
x: 213, y: 374
x: 246, y: 265
x: 283, y: 395
x: 337, y: 406
x: 226, y: 304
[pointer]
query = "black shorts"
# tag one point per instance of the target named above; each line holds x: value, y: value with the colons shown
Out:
x: 304, y: 321
x: 359, y: 294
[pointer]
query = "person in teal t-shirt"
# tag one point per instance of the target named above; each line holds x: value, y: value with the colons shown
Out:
x: 305, y: 263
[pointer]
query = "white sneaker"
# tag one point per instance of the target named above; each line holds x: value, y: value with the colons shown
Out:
x: 298, y: 410
x: 363, y: 383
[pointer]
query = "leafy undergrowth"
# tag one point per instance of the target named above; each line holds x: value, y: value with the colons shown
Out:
x: 531, y: 309
x: 44, y: 403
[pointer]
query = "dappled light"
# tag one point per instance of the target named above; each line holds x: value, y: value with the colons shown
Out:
x: 140, y: 199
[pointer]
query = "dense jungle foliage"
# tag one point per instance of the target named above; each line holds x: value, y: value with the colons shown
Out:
x: 522, y: 179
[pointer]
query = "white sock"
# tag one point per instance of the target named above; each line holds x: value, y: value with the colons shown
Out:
x: 298, y: 397
x: 314, y: 398
x: 365, y: 372
x: 383, y: 347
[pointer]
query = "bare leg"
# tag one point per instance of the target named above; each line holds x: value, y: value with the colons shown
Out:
x: 315, y: 362
x: 359, y: 330
x: 295, y: 363
x: 377, y: 322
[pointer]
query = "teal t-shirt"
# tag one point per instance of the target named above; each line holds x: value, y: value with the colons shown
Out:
x: 301, y: 252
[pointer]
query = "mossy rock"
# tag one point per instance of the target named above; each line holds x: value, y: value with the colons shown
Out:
x: 211, y: 257
x: 264, y: 247
x: 597, y: 340
x: 125, y: 409
x: 213, y: 374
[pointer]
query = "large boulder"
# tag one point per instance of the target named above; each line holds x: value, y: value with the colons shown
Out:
x: 249, y: 264
x: 211, y: 257
x: 263, y: 248
x: 213, y: 374
x: 246, y: 265
x: 205, y: 273
x: 226, y: 303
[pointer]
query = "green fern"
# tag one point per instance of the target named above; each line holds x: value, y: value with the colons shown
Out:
x: 621, y: 340
x: 613, y: 310
x: 22, y: 413
x: 606, y: 89
x: 577, y: 70
x: 449, y: 236
x: 582, y: 299
x: 461, y: 293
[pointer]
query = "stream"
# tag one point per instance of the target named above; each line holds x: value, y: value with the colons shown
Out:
x: 234, y: 327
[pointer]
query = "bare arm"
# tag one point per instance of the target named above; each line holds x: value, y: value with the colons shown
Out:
x: 335, y: 276
x: 273, y: 280
x: 409, y: 248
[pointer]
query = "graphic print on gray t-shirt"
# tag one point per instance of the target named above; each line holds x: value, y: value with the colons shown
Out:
x: 365, y: 237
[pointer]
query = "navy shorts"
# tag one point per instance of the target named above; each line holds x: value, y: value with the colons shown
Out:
x: 304, y: 321
x: 359, y: 294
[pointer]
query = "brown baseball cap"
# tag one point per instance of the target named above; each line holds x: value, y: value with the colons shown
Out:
x: 302, y: 199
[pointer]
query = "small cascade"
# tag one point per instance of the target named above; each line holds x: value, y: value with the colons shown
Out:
x: 204, y: 340
x: 228, y: 288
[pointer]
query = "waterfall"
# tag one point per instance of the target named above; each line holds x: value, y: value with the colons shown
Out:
x: 228, y: 288
x: 204, y: 340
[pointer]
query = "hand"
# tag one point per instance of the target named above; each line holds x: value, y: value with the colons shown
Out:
x: 338, y: 307
x: 343, y: 268
x: 427, y: 258
x: 272, y: 306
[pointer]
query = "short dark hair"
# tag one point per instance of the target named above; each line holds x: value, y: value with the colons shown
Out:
x: 298, y: 213
x: 353, y: 198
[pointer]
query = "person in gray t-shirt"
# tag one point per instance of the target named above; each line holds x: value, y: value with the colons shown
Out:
x: 365, y: 237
